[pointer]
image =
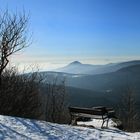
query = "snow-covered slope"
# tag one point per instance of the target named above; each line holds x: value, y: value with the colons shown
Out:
x: 25, y: 129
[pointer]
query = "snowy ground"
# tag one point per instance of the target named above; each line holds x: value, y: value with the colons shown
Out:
x: 25, y: 129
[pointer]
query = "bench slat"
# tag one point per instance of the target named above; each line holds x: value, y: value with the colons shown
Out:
x: 89, y: 116
x: 87, y: 111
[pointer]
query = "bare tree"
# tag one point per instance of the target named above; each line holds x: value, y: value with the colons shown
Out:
x: 13, y: 36
x: 127, y: 109
x: 56, y: 106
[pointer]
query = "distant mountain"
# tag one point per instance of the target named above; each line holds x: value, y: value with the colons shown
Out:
x: 131, y: 69
x: 79, y: 68
x: 114, y: 67
x: 109, y: 82
x: 101, y: 82
x: 75, y: 63
x: 102, y: 89
x: 108, y: 88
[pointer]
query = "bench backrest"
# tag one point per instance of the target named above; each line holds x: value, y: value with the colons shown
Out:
x: 92, y: 111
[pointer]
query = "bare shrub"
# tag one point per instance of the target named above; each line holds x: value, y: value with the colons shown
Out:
x: 56, y: 105
x: 20, y: 94
x: 127, y: 110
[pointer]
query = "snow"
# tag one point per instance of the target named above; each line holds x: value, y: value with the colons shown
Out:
x: 26, y: 129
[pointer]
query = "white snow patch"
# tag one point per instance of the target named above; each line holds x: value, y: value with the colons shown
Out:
x: 97, y: 123
x: 26, y: 129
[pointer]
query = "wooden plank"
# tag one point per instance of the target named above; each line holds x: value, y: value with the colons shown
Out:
x: 109, y: 109
x: 89, y: 115
x: 87, y: 111
x: 99, y: 107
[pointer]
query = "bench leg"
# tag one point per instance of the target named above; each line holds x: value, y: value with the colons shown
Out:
x: 73, y: 120
x: 104, y: 120
x: 103, y: 124
x: 107, y: 122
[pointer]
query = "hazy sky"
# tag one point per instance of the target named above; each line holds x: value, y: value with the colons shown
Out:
x: 90, y: 31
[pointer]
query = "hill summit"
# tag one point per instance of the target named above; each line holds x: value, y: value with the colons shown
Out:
x: 75, y: 63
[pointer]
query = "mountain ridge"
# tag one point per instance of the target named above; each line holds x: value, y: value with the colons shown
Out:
x: 77, y: 67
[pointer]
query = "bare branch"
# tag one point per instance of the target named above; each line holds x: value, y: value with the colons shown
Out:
x: 13, y: 36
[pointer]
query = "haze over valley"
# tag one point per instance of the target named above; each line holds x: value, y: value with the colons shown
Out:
x: 89, y: 85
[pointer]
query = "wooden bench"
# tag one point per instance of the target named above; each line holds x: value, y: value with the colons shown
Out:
x: 100, y: 112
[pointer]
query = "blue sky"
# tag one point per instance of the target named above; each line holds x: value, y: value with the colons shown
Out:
x: 91, y: 31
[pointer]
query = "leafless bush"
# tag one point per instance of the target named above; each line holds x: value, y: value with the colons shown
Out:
x: 56, y: 105
x: 20, y: 94
x: 127, y: 110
